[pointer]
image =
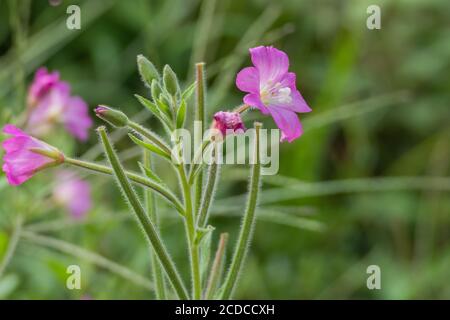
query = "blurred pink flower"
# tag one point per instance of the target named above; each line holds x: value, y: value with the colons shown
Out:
x: 73, y: 193
x: 272, y: 89
x: 43, y: 83
x: 228, y: 121
x: 50, y: 102
x: 25, y: 155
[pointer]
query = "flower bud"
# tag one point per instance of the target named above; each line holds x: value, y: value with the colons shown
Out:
x: 227, y: 122
x: 147, y: 70
x: 170, y: 80
x: 114, y: 117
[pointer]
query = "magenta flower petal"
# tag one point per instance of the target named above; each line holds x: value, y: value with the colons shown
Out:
x: 76, y: 118
x: 53, y: 103
x: 247, y: 80
x: 20, y: 163
x: 48, y: 111
x: 253, y: 99
x: 73, y: 193
x: 288, y: 123
x: 272, y: 89
x: 43, y: 82
x: 271, y: 63
x: 228, y: 122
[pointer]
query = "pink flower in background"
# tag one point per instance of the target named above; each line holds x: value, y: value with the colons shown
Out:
x: 50, y: 102
x: 25, y: 155
x: 73, y: 193
x: 224, y: 120
x: 272, y: 89
x: 43, y: 83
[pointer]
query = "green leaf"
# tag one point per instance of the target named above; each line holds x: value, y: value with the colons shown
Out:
x: 147, y: 70
x: 149, y: 146
x: 155, y: 90
x: 149, y: 173
x: 164, y: 106
x: 154, y: 109
x: 204, y: 239
x: 149, y: 105
x: 181, y: 114
x: 170, y: 81
x: 4, y: 238
x: 187, y: 93
x: 8, y: 284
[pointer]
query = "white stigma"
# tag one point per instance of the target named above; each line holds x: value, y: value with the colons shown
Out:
x: 284, y: 95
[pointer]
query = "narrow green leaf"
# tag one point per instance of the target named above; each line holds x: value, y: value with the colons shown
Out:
x: 170, y: 81
x: 181, y: 114
x: 163, y: 105
x: 149, y: 146
x: 155, y: 90
x: 147, y: 70
x: 187, y: 93
x: 159, y: 110
x: 149, y: 173
x: 205, y: 250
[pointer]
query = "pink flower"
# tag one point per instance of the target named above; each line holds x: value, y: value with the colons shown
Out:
x: 26, y: 155
x: 73, y: 193
x: 76, y: 118
x: 228, y: 121
x: 272, y: 89
x: 50, y: 102
x: 43, y: 83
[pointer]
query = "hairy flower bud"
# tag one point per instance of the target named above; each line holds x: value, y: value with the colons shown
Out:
x: 114, y: 117
x: 170, y: 80
x: 147, y: 70
x: 227, y: 122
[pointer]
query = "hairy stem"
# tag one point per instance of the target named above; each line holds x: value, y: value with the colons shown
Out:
x: 214, y: 275
x: 143, y: 219
x: 208, y: 195
x: 150, y: 204
x: 191, y: 234
x: 248, y: 222
x: 167, y: 194
x: 199, y: 116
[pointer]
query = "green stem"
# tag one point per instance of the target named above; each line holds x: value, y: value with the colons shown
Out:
x: 191, y: 234
x: 248, y: 222
x: 150, y: 204
x: 199, y: 116
x: 146, y: 224
x: 168, y: 195
x: 214, y: 275
x: 208, y: 195
x: 195, y: 167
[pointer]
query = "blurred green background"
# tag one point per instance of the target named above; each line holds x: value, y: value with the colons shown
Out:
x: 367, y: 184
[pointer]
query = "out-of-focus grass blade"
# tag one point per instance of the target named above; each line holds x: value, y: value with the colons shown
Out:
x: 81, y: 253
x: 8, y: 284
x: 295, y: 189
x: 353, y: 109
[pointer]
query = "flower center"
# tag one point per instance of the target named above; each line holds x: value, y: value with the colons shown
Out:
x: 276, y: 95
